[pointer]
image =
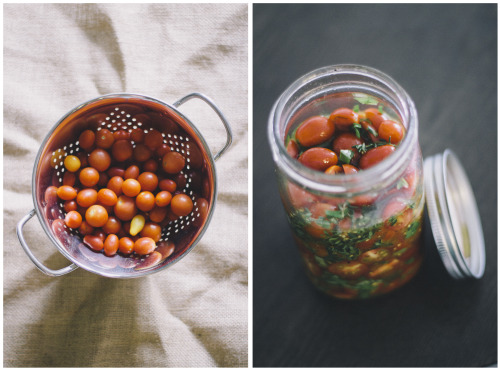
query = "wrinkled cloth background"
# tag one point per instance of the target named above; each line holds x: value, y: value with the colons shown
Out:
x: 193, y: 314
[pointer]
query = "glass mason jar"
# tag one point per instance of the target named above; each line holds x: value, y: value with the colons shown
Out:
x: 359, y: 235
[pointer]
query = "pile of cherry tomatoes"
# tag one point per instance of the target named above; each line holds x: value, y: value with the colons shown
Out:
x: 112, y: 194
x: 346, y: 141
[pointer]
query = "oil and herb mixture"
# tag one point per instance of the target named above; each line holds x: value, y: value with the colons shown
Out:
x: 366, y: 245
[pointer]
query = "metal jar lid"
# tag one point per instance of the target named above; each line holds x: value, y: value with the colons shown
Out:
x: 454, y: 217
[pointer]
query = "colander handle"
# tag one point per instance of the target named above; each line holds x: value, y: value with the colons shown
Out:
x: 37, y: 263
x: 209, y: 101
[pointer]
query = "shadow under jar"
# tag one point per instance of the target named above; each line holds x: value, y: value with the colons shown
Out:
x: 358, y: 228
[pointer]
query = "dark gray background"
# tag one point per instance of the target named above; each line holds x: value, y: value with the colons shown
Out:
x: 445, y: 56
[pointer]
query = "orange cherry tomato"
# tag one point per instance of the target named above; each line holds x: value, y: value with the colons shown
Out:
x: 315, y: 130
x: 66, y: 192
x: 167, y: 185
x: 111, y: 245
x: 374, y: 116
x: 94, y: 242
x: 145, y: 201
x: 375, y: 155
x: 125, y: 208
x: 107, y: 197
x: 85, y: 228
x: 126, y: 245
x: 163, y: 198
x: 112, y: 226
x: 73, y: 219
x: 89, y: 177
x: 181, y: 205
x: 115, y: 184
x: 151, y: 230
x: 86, y: 197
x: 100, y: 159
x: 96, y: 216
x: 132, y: 172
x: 318, y: 158
x: 148, y: 181
x: 332, y: 170
x: 158, y: 214
x: 131, y: 187
x: 173, y: 162
x: 349, y: 169
x: 391, y: 131
x: 144, y: 246
x: 343, y: 118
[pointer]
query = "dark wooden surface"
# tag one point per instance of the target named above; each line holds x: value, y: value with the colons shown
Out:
x: 445, y: 56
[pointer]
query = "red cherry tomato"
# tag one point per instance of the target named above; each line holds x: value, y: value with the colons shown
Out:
x: 375, y: 155
x: 122, y: 150
x: 343, y: 118
x: 181, y: 205
x: 173, y: 162
x: 315, y: 130
x: 100, y: 159
x: 391, y: 131
x: 347, y: 141
x: 318, y: 158
x: 374, y: 116
x: 104, y: 138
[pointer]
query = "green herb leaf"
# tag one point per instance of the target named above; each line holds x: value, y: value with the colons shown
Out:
x: 365, y: 99
x: 356, y: 108
x: 346, y: 156
x: 381, y: 109
x: 392, y: 220
x: 356, y: 127
x: 412, y: 229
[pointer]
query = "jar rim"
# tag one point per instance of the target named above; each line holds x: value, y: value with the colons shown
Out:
x: 363, y: 181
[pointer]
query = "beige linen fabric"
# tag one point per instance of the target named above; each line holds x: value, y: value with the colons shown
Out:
x: 193, y: 314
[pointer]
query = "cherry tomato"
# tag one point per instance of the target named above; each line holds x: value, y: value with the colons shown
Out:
x: 397, y: 215
x: 151, y: 230
x: 150, y: 166
x: 347, y: 140
x: 107, y: 197
x: 126, y: 245
x: 50, y: 195
x: 181, y: 205
x: 162, y: 150
x: 96, y: 216
x: 173, y: 162
x: 386, y: 270
x: 349, y: 169
x: 111, y: 245
x: 318, y: 158
x: 115, y: 184
x: 116, y: 171
x: 104, y: 138
x: 391, y: 131
x: 343, y: 118
x: 374, y: 116
x: 86, y: 197
x: 89, y: 176
x: 66, y: 192
x: 148, y: 181
x: 131, y: 187
x: 70, y: 205
x: 85, y: 228
x: 73, y: 220
x: 144, y: 246
x: 300, y: 197
x: 153, y: 139
x: 100, y: 159
x: 158, y: 214
x: 332, y: 170
x: 137, y: 135
x: 315, y: 130
x: 103, y: 180
x: 142, y: 153
x: 122, y: 150
x: 375, y: 155
x: 167, y: 185
x: 125, y: 208
x: 86, y: 139
x: 163, y: 198
x: 72, y: 163
x: 112, y: 226
x: 145, y: 201
x: 94, y: 242
x: 132, y: 172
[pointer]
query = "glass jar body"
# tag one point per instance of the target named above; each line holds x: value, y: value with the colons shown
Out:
x: 359, y: 235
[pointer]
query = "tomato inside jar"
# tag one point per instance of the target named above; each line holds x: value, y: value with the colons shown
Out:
x: 362, y: 241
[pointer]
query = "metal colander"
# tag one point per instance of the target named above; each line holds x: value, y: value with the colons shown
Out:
x: 125, y: 112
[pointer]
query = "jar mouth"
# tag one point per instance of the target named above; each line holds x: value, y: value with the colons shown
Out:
x: 346, y: 78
